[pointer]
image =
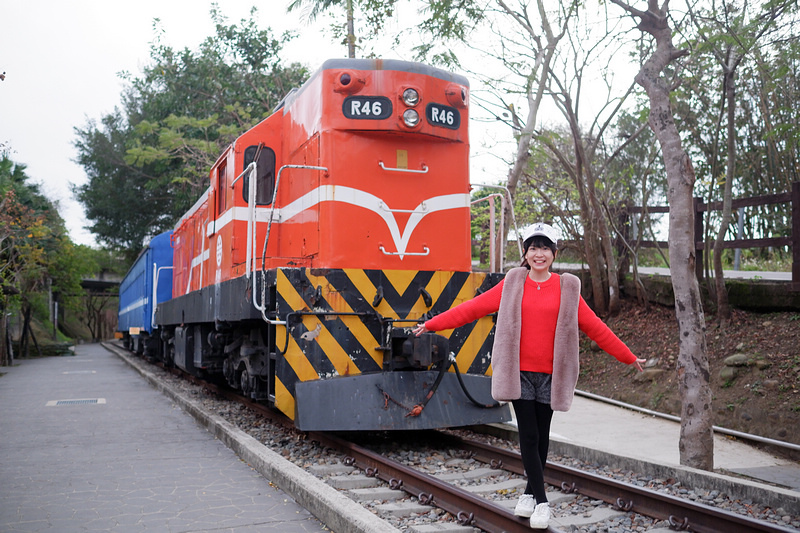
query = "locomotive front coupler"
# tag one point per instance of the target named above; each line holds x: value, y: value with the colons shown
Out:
x: 407, y: 351
x: 425, y: 350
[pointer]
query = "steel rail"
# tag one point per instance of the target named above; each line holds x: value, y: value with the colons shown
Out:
x: 469, y: 509
x: 681, y: 513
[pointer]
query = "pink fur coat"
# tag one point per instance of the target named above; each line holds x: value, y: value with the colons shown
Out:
x: 505, y: 352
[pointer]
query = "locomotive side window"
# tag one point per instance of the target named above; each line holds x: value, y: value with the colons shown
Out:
x: 221, y: 189
x: 265, y: 178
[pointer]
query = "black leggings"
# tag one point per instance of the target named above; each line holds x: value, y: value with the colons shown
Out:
x: 533, y: 421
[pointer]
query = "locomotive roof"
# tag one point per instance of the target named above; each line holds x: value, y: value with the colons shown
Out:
x: 203, y: 197
x: 376, y: 64
x: 395, y: 64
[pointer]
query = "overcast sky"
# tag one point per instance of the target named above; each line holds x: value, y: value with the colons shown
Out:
x: 62, y: 59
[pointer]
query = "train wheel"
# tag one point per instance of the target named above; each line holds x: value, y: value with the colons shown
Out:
x: 244, y: 381
x: 168, y: 351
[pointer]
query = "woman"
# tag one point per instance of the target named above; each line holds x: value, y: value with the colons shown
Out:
x: 535, y: 353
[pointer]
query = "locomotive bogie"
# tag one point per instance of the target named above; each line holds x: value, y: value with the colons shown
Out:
x: 248, y: 363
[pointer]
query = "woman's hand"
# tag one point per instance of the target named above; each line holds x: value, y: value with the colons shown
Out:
x: 419, y: 330
x: 638, y: 363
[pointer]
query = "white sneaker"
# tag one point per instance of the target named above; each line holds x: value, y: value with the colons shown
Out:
x: 525, y: 506
x: 540, y: 516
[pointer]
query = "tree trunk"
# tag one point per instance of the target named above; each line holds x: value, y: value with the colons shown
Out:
x: 35, y: 342
x: 351, y: 32
x: 606, y: 291
x: 723, y: 308
x: 23, y: 338
x: 696, y: 438
x: 27, y: 335
x: 712, y: 287
x: 596, y: 235
x: 5, y: 344
x: 594, y: 258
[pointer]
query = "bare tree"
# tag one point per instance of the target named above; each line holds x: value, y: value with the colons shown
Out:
x: 737, y: 32
x: 696, y: 439
x: 541, y: 60
x: 542, y: 41
x: 586, y: 49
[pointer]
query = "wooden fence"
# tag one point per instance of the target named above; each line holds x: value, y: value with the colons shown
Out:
x: 700, y: 207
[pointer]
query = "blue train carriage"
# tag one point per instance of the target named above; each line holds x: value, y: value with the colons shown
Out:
x: 147, y: 283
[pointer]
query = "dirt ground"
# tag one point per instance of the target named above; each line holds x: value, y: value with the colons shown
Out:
x: 754, y: 364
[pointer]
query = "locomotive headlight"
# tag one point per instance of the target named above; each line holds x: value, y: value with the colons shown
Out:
x: 410, y: 97
x: 348, y: 82
x: 457, y: 96
x: 411, y: 118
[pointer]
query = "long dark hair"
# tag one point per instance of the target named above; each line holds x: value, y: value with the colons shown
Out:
x: 537, y: 241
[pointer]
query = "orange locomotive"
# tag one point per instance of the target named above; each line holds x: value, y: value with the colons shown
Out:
x: 328, y: 230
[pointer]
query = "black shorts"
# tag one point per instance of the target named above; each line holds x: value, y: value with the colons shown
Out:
x: 535, y: 386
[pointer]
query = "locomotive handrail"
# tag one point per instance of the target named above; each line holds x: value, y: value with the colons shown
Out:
x: 383, y: 206
x: 510, y: 203
x: 251, y: 216
x: 426, y: 252
x: 202, y: 262
x: 248, y: 167
x: 411, y: 170
x: 251, y: 231
x: 494, y: 260
x: 274, y: 322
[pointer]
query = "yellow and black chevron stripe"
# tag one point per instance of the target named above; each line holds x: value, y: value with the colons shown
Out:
x: 337, y: 320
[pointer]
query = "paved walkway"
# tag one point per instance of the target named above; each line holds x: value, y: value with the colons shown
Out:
x: 627, y: 433
x: 81, y: 451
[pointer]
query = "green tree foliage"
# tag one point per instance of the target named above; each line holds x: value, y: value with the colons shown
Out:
x: 738, y: 108
x: 36, y: 254
x: 121, y: 202
x: 21, y: 227
x: 32, y: 233
x: 148, y: 162
x: 375, y: 13
x: 729, y: 32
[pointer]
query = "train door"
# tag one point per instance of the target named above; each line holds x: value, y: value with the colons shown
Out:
x: 184, y: 250
x: 221, y: 222
x: 198, y: 247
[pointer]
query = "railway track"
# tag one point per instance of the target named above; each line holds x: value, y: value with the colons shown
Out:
x: 491, y: 516
x: 681, y: 514
x: 482, y: 487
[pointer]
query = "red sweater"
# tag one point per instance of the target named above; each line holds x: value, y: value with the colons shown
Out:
x: 540, y: 304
